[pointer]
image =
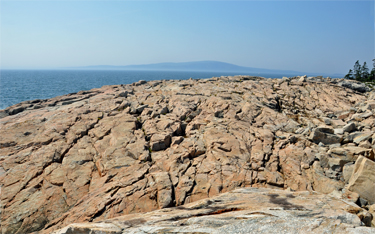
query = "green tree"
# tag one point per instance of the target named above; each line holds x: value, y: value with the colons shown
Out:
x: 361, y: 73
x: 357, y: 71
x: 372, y: 73
x: 349, y: 75
x: 365, y: 72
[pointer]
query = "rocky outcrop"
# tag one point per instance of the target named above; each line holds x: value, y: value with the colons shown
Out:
x: 124, y: 149
x: 247, y: 210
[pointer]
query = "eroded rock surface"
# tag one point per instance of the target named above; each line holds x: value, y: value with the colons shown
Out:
x: 247, y: 210
x: 125, y: 149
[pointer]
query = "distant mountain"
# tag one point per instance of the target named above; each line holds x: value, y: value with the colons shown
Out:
x: 202, y: 66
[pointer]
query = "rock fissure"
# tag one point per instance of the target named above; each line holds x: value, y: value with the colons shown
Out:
x: 137, y: 148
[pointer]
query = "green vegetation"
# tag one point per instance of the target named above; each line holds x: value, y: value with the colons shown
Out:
x: 361, y: 73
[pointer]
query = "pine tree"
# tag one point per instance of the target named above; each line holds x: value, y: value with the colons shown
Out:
x: 372, y: 73
x: 349, y: 75
x: 357, y: 71
x: 361, y: 73
x: 364, y: 72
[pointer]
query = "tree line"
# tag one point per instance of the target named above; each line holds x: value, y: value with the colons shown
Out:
x: 361, y: 73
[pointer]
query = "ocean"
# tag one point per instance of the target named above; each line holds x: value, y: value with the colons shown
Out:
x: 21, y: 85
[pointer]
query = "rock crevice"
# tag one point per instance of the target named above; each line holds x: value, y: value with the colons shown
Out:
x: 124, y: 149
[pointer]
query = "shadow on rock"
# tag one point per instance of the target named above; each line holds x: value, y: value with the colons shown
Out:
x: 284, y: 203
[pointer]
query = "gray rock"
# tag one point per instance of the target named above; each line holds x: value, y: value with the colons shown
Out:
x: 331, y: 173
x: 349, y: 138
x: 338, y: 131
x: 362, y: 202
x: 327, y: 121
x: 350, y: 127
x: 366, y: 114
x: 359, y: 87
x: 140, y: 82
x: 349, y: 153
x: 362, y: 137
x: 325, y: 135
x: 336, y: 164
x: 334, y: 146
x: 123, y: 94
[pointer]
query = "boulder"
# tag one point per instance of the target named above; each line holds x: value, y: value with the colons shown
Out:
x: 350, y: 127
x: 349, y: 153
x: 362, y: 137
x: 362, y: 180
x: 325, y: 135
x: 359, y: 87
x: 160, y: 141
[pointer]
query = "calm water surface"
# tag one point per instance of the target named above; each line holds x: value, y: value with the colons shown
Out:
x: 21, y: 85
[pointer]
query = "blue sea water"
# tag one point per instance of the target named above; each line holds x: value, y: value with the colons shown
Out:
x: 21, y: 85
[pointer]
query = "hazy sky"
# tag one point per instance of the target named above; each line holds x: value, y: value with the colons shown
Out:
x: 309, y: 36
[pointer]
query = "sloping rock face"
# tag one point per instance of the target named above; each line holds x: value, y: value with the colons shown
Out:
x: 362, y: 180
x: 247, y: 210
x: 125, y: 149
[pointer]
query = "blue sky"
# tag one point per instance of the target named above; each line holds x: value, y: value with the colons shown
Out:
x: 308, y: 36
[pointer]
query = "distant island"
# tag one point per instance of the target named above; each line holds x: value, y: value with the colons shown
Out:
x: 202, y: 66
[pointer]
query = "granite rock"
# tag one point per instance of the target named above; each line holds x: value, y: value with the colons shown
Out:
x: 121, y: 150
x: 248, y: 210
